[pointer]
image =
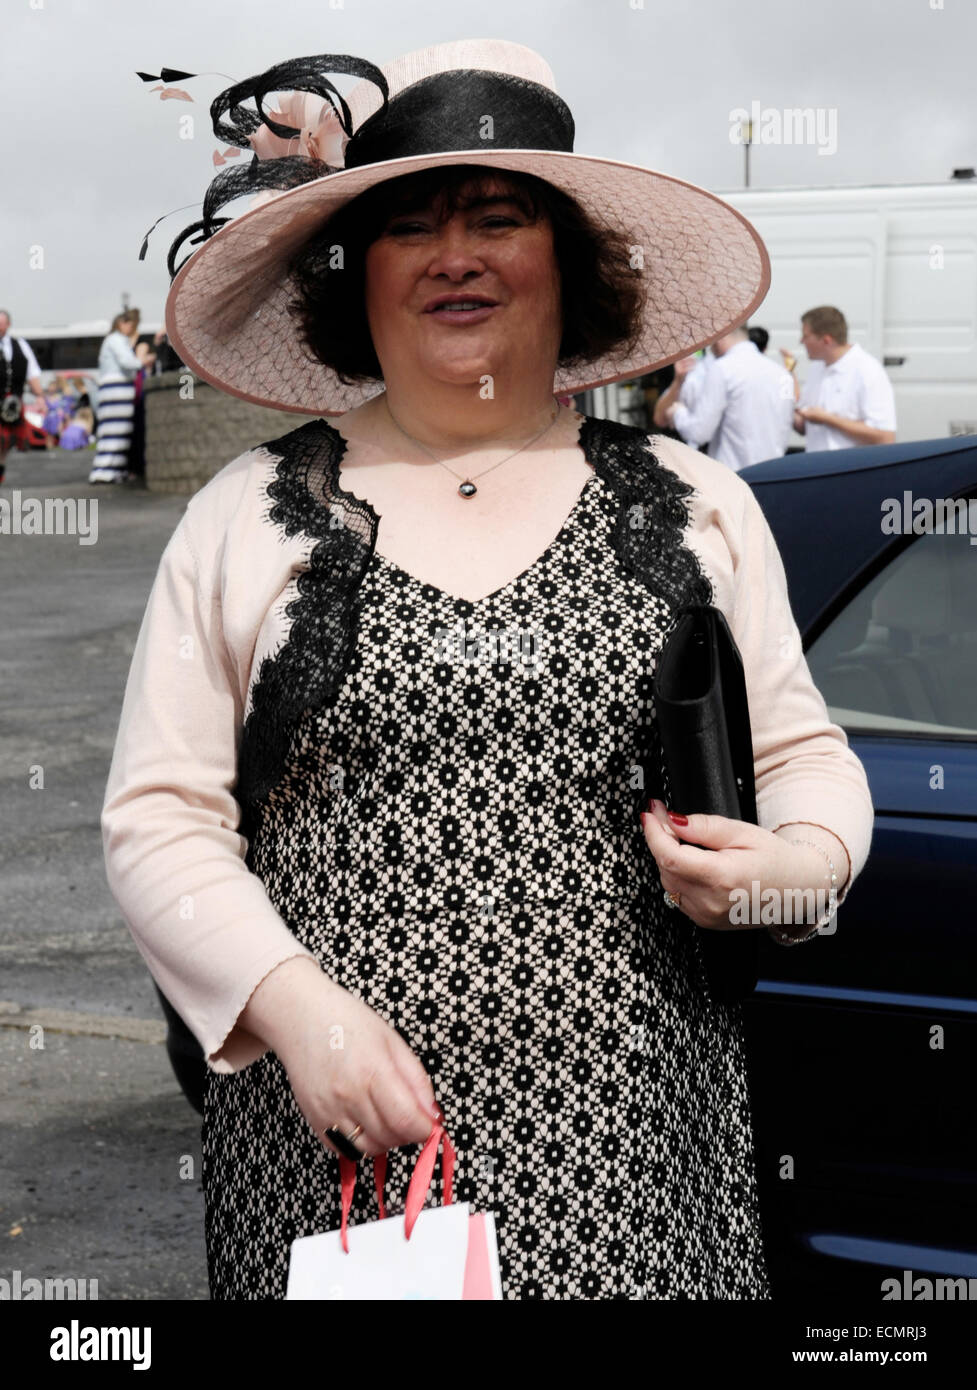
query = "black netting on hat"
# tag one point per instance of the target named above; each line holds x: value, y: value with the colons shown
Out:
x: 280, y: 173
x: 296, y: 75
x: 287, y: 171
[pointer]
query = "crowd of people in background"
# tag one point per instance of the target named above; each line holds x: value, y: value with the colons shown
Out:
x: 114, y: 422
x: 69, y: 420
x: 740, y: 407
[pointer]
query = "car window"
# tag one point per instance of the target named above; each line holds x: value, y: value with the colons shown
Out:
x: 902, y: 655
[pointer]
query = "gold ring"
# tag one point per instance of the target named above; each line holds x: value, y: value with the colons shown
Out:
x: 343, y: 1142
x: 673, y: 899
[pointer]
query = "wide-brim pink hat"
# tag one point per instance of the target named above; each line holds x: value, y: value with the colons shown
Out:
x: 705, y: 267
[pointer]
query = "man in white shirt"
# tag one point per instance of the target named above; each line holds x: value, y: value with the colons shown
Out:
x: 744, y: 408
x: 847, y: 398
x: 17, y: 365
x: 685, y: 387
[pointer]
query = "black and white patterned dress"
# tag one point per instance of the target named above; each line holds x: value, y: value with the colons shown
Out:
x: 442, y: 800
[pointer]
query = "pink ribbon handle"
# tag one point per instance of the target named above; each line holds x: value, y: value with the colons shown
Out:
x: 419, y: 1183
x: 423, y: 1172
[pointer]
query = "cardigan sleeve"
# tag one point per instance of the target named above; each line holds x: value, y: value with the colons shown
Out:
x: 805, y: 771
x: 174, y: 857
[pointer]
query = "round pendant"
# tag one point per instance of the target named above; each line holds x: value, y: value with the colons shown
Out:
x: 468, y: 489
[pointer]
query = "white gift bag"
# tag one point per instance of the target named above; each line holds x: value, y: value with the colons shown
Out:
x: 447, y: 1252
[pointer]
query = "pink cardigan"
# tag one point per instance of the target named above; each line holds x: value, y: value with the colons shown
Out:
x: 174, y: 857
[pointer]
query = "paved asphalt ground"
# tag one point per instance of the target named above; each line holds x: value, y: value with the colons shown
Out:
x: 100, y: 1153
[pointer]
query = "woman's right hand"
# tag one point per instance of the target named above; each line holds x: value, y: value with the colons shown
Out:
x: 346, y: 1065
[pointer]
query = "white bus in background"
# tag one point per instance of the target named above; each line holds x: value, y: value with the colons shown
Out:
x: 900, y: 262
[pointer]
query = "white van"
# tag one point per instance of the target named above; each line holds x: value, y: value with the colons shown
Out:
x: 900, y: 262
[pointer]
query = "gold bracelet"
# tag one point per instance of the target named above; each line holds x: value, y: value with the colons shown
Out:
x: 782, y: 937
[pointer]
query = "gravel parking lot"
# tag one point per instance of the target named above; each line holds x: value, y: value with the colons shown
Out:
x: 100, y: 1164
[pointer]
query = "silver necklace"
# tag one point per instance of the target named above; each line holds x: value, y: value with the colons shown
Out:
x: 467, y: 486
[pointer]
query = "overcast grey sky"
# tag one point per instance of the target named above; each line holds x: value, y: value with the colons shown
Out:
x: 92, y: 157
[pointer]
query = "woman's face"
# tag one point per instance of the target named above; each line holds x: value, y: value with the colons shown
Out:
x: 491, y: 251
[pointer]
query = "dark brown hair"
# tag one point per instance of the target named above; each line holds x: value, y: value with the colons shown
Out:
x: 826, y: 319
x: 602, y: 294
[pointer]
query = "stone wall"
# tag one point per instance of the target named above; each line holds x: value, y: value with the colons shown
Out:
x: 193, y: 430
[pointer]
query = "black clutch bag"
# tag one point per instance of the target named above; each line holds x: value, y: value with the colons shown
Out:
x: 703, y: 722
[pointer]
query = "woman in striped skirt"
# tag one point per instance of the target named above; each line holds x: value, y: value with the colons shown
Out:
x: 118, y: 366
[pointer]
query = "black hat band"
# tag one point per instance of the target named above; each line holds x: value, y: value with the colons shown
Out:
x: 463, y: 109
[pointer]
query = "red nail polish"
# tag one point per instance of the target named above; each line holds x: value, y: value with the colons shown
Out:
x: 679, y: 820
x: 651, y: 805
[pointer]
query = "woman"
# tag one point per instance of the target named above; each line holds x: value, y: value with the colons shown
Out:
x: 373, y: 815
x: 137, y: 442
x: 118, y: 367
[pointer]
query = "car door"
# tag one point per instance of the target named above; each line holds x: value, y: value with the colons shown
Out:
x: 863, y: 1042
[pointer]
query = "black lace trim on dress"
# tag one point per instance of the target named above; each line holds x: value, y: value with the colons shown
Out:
x: 308, y: 669
x: 654, y: 512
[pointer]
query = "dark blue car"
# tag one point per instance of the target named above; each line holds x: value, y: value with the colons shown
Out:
x: 863, y: 1043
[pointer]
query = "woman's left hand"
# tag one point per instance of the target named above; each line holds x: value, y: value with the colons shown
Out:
x: 736, y: 855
